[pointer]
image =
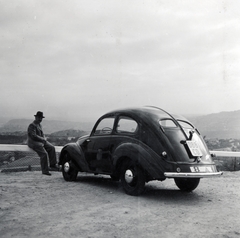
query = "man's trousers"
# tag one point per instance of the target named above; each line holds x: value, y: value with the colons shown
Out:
x: 46, y: 153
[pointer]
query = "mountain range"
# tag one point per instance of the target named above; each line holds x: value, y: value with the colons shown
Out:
x: 49, y: 126
x: 223, y: 125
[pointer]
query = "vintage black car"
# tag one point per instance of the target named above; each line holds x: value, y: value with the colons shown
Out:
x: 138, y: 145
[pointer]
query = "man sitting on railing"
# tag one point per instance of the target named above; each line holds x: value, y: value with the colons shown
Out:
x: 38, y: 142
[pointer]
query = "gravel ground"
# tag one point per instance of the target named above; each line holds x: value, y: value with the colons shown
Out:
x: 34, y: 205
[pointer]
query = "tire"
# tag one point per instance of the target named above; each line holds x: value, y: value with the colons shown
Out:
x: 69, y: 170
x: 187, y: 184
x: 114, y: 178
x: 132, y: 179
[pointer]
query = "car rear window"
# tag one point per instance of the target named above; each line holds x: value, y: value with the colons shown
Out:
x: 167, y: 123
x: 185, y: 124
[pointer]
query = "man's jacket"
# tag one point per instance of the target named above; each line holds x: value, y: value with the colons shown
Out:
x: 35, y: 135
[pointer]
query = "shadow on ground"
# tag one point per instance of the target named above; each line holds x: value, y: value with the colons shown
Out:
x: 155, y: 190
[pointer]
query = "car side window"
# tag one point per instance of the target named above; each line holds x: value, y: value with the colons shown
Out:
x: 126, y: 125
x: 105, y: 126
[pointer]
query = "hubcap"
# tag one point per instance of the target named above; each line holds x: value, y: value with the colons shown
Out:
x: 66, y: 167
x: 128, y: 176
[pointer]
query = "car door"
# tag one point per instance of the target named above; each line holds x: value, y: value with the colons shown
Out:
x: 97, y: 151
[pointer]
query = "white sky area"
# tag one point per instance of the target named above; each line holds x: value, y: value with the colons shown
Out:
x: 78, y: 59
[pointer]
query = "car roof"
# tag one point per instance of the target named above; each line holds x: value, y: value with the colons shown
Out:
x: 147, y: 115
x: 146, y: 112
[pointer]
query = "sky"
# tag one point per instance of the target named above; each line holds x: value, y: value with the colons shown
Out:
x: 78, y: 59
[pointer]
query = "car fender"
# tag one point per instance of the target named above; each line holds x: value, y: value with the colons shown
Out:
x: 153, y: 164
x: 76, y: 154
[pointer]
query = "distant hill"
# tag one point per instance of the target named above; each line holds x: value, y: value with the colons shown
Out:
x: 49, y: 126
x: 4, y: 120
x: 223, y: 125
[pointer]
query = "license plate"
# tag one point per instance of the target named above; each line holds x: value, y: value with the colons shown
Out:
x: 194, y: 148
x: 201, y: 169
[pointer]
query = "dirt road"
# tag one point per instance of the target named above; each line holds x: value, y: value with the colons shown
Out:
x: 34, y: 205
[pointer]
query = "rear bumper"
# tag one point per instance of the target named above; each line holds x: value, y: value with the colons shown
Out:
x: 191, y: 175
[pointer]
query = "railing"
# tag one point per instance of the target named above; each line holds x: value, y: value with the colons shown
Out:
x: 21, y: 157
x: 227, y: 160
x: 23, y: 148
x: 225, y: 153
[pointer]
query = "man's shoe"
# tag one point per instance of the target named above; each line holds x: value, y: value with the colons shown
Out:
x: 54, y: 168
x: 47, y: 173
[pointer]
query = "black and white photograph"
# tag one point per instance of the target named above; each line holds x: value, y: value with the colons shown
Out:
x: 119, y: 119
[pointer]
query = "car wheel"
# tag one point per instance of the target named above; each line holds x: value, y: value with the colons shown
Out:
x: 114, y: 178
x: 132, y: 179
x: 187, y: 184
x: 69, y: 171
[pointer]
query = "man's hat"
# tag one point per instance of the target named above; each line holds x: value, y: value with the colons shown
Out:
x: 39, y: 114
